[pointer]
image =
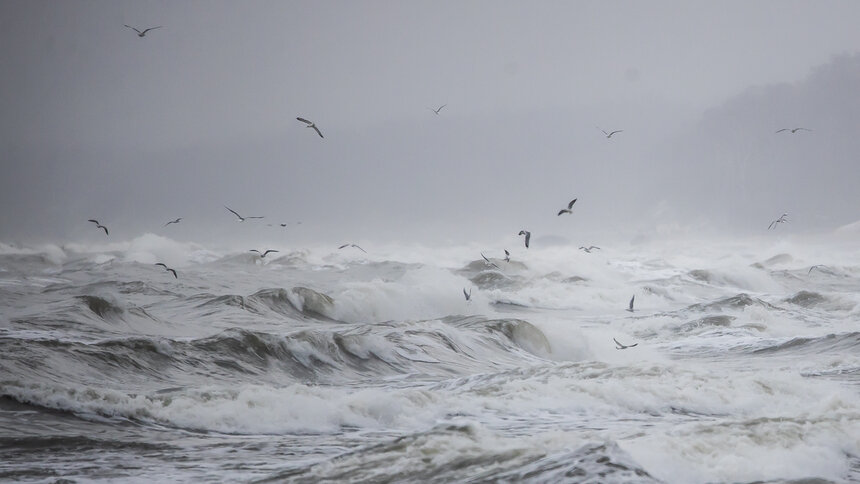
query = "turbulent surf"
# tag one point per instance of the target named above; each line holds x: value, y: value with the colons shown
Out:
x: 315, y: 364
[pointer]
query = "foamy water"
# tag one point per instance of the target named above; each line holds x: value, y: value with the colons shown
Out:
x: 323, y: 364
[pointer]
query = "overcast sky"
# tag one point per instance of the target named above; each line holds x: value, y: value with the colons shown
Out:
x: 97, y: 122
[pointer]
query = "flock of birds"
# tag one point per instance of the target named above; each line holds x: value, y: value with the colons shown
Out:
x: 527, y: 234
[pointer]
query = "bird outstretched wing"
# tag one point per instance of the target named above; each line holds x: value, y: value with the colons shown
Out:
x: 234, y: 212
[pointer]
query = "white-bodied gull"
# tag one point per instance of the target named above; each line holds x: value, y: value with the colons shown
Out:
x: 311, y: 124
x: 241, y: 218
x: 569, y: 207
x: 621, y: 346
x: 781, y: 220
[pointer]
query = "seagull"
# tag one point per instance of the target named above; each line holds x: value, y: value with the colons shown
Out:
x: 141, y: 34
x: 263, y: 254
x: 589, y: 248
x: 98, y: 225
x: 528, y: 236
x: 467, y: 294
x: 621, y: 346
x: 437, y: 110
x: 173, y: 222
x: 569, y: 207
x: 241, y: 218
x: 352, y: 245
x: 507, y: 256
x: 813, y: 267
x: 488, y: 261
x: 311, y: 124
x: 162, y: 264
x: 782, y: 219
x: 609, y: 135
x: 631, y: 303
x: 793, y: 130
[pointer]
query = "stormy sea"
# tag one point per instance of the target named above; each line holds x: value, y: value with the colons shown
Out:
x: 740, y: 362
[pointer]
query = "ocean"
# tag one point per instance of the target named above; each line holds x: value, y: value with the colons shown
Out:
x: 315, y: 364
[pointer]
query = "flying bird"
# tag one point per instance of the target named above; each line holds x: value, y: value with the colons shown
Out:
x: 241, y: 218
x: 437, y: 110
x: 173, y: 222
x: 528, y: 236
x: 98, y: 225
x: 311, y: 124
x: 142, y: 34
x: 467, y: 294
x: 507, y: 256
x: 263, y: 254
x: 162, y: 264
x: 781, y: 220
x: 569, y: 207
x: 814, y: 267
x: 589, y: 248
x: 621, y: 346
x: 352, y: 245
x: 609, y: 135
x: 793, y: 130
x: 489, y: 262
x: 631, y: 303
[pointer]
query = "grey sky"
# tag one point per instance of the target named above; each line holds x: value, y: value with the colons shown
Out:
x: 96, y: 122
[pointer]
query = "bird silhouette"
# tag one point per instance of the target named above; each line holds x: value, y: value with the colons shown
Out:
x: 98, y: 225
x: 142, y: 33
x: 311, y: 124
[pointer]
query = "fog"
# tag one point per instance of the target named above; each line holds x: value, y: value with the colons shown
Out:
x: 96, y: 122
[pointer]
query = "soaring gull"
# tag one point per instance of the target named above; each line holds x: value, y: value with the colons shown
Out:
x: 241, y: 218
x: 98, y: 225
x: 793, y: 130
x: 528, y: 236
x: 352, y: 245
x: 609, y: 135
x: 814, y: 267
x: 437, y: 110
x: 143, y: 33
x: 507, y: 256
x: 781, y: 220
x: 489, y: 262
x: 631, y: 303
x: 621, y: 346
x: 173, y: 222
x: 569, y: 207
x: 311, y: 124
x: 162, y: 264
x: 589, y: 248
x: 263, y: 254
x: 467, y: 294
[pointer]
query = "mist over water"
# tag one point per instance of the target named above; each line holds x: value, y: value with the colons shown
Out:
x: 316, y: 363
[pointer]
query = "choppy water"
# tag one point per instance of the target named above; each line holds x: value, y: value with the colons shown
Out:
x: 318, y: 364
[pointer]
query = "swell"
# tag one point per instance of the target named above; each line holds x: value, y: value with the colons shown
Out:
x: 831, y: 343
x: 460, y: 450
x: 340, y: 354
